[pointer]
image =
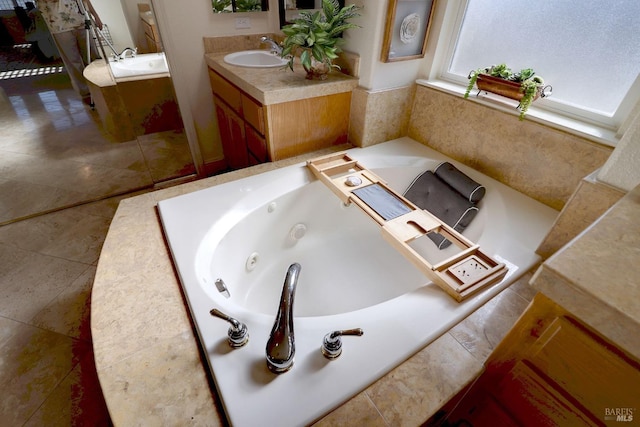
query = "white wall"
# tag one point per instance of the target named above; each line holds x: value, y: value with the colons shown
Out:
x: 130, y: 8
x: 367, y: 42
x: 182, y: 26
x: 113, y: 15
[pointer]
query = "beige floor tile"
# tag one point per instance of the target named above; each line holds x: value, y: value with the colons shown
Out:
x: 415, y: 390
x: 484, y: 329
x: 359, y: 411
x: 69, y: 234
x: 30, y: 281
x: 20, y: 199
x: 34, y: 361
x: 522, y: 286
x: 8, y: 329
x: 77, y: 401
x: 68, y: 314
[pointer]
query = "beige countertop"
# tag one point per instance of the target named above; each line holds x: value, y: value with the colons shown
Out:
x: 147, y: 355
x: 276, y: 85
x: 99, y: 73
x: 597, y: 275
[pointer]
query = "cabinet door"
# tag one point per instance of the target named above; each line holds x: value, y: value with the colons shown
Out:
x: 256, y: 144
x: 551, y: 370
x: 253, y: 113
x: 232, y: 136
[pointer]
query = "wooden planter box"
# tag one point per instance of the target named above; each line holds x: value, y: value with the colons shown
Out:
x: 501, y: 87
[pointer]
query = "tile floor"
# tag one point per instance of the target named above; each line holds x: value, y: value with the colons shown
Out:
x: 47, y: 266
x: 54, y: 152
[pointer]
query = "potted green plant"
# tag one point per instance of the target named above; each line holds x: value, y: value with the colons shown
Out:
x: 319, y: 36
x: 523, y: 86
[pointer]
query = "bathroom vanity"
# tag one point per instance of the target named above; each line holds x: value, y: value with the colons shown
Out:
x: 135, y: 105
x: 269, y: 114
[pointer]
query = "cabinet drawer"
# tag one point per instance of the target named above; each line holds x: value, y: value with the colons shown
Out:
x: 225, y: 90
x: 253, y: 113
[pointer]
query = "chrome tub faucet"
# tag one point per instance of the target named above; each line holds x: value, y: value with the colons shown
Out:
x: 281, y: 346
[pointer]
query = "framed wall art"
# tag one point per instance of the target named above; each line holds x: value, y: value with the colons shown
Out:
x: 407, y: 27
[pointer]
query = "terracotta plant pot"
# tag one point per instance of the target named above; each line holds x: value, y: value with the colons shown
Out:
x: 502, y: 87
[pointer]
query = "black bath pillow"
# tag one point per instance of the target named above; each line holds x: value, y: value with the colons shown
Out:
x: 429, y: 191
x: 460, y: 182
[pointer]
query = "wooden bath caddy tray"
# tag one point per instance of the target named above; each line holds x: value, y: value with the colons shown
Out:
x: 460, y: 276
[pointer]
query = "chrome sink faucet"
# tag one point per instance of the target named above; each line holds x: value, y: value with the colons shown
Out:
x: 123, y: 54
x: 281, y: 346
x: 275, y: 47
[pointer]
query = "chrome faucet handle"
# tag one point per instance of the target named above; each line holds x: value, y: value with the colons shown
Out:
x: 238, y: 333
x: 275, y: 48
x: 332, y: 343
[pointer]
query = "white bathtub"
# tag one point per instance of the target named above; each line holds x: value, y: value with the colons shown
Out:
x: 350, y: 278
x: 141, y: 65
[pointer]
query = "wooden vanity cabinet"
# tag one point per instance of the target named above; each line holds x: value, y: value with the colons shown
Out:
x: 254, y: 133
x: 241, y: 124
x: 552, y: 370
x: 151, y: 34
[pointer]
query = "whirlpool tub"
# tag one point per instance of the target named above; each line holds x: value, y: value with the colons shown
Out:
x: 247, y: 232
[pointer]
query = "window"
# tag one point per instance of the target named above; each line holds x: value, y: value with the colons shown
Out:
x: 589, y: 51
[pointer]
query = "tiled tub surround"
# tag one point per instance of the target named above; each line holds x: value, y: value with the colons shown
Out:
x: 589, y: 201
x: 549, y: 165
x: 337, y: 289
x: 544, y: 163
x: 596, y: 276
x: 380, y: 115
x: 148, y: 359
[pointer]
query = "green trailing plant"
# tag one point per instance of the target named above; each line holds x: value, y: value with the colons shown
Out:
x: 318, y: 34
x: 530, y: 84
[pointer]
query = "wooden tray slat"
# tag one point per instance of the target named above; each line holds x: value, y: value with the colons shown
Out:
x: 461, y: 275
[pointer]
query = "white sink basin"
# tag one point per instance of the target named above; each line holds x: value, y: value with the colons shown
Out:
x: 255, y: 59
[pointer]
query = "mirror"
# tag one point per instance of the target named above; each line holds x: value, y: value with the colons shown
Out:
x: 231, y: 6
x: 289, y: 9
x: 55, y: 151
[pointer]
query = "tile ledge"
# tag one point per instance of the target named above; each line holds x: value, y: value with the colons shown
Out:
x: 586, y: 130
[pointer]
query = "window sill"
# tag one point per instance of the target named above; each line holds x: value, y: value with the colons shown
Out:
x: 585, y: 130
